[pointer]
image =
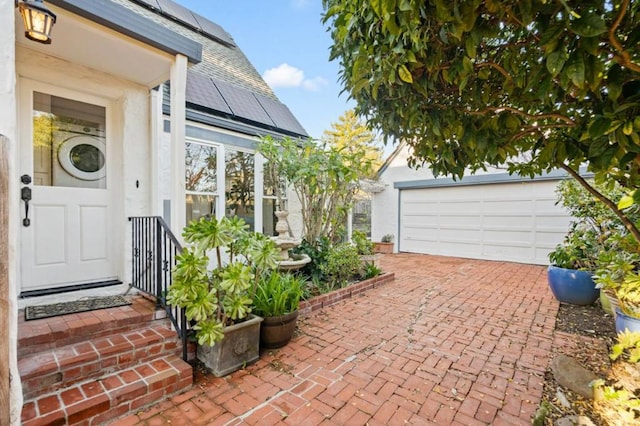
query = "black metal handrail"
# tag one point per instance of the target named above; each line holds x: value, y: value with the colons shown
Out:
x: 154, y: 250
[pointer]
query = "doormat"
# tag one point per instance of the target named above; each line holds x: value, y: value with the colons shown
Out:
x: 83, y: 305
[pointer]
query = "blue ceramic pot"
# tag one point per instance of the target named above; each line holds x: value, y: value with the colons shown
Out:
x: 572, y: 286
x: 624, y: 321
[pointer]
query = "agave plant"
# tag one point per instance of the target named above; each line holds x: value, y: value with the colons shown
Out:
x: 218, y: 293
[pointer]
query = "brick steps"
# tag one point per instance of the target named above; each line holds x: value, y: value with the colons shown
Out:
x: 62, y: 367
x: 56, y: 332
x: 93, y: 402
x: 91, y: 367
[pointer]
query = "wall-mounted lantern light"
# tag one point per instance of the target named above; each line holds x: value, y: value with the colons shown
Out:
x: 38, y: 20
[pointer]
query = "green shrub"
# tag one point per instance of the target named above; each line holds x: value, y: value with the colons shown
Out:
x: 369, y: 271
x: 278, y: 294
x: 362, y: 243
x: 593, y: 227
x: 616, y: 399
x: 318, y: 252
x: 342, y: 264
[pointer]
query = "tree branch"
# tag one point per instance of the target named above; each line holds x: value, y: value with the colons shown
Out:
x: 516, y: 111
x: 631, y: 227
x: 497, y: 67
x: 536, y: 129
x: 622, y: 57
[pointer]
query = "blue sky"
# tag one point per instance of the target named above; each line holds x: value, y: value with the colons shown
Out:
x: 288, y: 45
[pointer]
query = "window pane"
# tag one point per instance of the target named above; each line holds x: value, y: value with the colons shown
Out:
x: 362, y: 214
x: 269, y: 219
x: 199, y: 206
x: 69, y: 145
x: 239, y: 181
x: 200, y: 167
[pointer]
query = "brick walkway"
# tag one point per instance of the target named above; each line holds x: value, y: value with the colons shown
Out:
x: 450, y: 342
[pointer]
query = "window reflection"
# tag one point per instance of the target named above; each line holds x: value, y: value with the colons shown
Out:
x: 200, y: 167
x: 201, y: 181
x: 239, y: 186
x: 69, y: 144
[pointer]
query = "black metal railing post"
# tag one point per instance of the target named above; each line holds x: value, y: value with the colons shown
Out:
x: 160, y: 297
x: 154, y: 249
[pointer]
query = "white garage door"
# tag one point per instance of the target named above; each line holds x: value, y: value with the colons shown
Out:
x: 516, y: 222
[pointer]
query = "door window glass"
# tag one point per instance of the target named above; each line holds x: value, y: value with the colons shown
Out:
x: 69, y: 144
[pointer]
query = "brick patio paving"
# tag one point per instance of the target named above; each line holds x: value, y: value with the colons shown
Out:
x: 450, y: 341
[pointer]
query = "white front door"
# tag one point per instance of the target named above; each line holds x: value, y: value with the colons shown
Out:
x: 66, y: 227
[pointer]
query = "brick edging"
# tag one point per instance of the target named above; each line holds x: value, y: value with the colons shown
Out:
x: 329, y: 299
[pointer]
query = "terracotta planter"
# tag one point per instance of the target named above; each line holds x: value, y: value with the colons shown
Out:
x: 240, y: 346
x: 275, y: 332
x: 572, y: 286
x: 384, y: 248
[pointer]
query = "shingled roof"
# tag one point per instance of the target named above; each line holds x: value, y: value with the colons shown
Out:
x: 224, y: 86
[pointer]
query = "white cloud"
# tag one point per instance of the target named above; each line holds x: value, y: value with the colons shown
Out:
x: 285, y: 75
x: 314, y: 84
x: 299, y: 4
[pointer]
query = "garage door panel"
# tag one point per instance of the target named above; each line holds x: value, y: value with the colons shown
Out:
x: 522, y: 206
x: 508, y: 253
x: 421, y: 222
x: 510, y: 237
x: 458, y: 235
x: 509, y: 221
x: 449, y: 207
x: 515, y: 221
x: 422, y: 208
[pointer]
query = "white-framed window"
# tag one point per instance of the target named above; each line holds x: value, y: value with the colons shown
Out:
x: 201, y: 179
x: 239, y: 181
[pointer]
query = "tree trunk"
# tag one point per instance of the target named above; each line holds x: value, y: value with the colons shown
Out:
x: 631, y: 227
x: 5, y: 304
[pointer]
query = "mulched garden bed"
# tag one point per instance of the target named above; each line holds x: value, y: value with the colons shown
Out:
x: 592, y: 333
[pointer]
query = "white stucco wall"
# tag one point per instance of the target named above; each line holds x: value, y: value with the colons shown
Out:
x: 8, y: 128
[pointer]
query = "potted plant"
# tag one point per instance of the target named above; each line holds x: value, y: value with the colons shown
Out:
x: 618, y: 276
x: 217, y: 299
x: 365, y: 248
x: 276, y: 300
x: 590, y: 236
x: 385, y: 245
x: 569, y: 276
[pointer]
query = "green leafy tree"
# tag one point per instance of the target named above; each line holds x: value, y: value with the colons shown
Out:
x: 324, y: 178
x: 533, y: 85
x: 352, y: 136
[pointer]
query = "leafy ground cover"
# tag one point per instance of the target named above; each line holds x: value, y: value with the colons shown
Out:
x: 591, y: 324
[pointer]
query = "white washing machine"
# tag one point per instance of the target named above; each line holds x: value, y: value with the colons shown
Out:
x: 79, y: 158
